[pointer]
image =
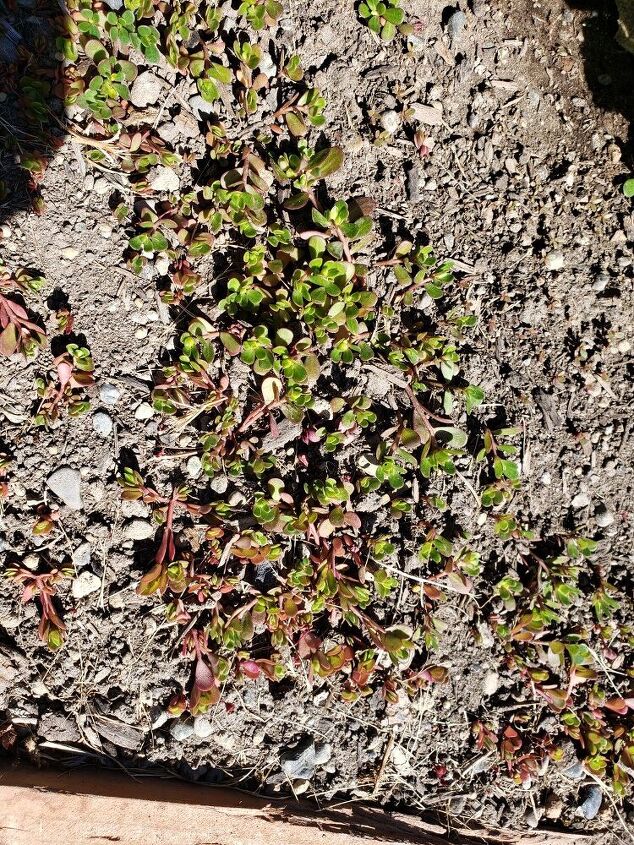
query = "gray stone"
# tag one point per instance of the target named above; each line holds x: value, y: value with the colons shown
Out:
x: 181, y: 731
x: 194, y: 466
x: 65, y: 483
x: 591, y: 804
x: 300, y: 762
x: 85, y: 584
x: 109, y: 394
x: 138, y: 529
x: 146, y: 89
x: 575, y: 771
x: 81, y: 556
x: 456, y: 24
x: 102, y: 423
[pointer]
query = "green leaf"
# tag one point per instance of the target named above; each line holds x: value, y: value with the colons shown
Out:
x: 628, y: 188
x: 296, y: 125
x: 208, y: 90
x: 220, y: 72
x: 325, y: 162
x: 388, y: 32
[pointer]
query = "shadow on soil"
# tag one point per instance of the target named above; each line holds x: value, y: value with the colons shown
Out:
x: 31, y: 113
x: 608, y: 67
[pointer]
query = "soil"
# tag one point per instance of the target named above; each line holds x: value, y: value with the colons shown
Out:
x: 526, y: 161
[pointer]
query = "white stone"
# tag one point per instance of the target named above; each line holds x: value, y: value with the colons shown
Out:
x: 109, y: 394
x: 85, y: 584
x: 144, y: 411
x: 164, y: 179
x: 102, y: 423
x: 390, y: 121
x: 554, y: 260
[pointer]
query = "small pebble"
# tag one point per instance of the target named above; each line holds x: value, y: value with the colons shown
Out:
x: 554, y: 260
x: 65, y: 483
x: 69, y: 253
x: 138, y: 529
x: 603, y: 517
x: 390, y: 121
x: 490, y: 683
x: 109, y: 394
x: 203, y: 727
x: 194, y: 466
x: 102, y: 423
x: 181, y: 731
x: 581, y: 500
x: 593, y: 798
x: 456, y: 24
x: 85, y: 584
x: 144, y: 411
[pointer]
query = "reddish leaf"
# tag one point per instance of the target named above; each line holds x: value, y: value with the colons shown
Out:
x: 250, y: 668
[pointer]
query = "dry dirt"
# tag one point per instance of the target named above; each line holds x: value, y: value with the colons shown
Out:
x: 523, y: 164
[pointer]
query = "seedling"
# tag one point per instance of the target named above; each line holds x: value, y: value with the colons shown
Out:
x: 43, y: 586
x: 383, y: 17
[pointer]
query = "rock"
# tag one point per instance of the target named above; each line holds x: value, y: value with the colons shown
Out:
x: 601, y: 283
x: 102, y: 423
x: 554, y: 260
x: 81, y: 556
x: 219, y: 484
x: 581, y: 500
x: 390, y: 121
x: 455, y: 25
x: 144, y: 411
x: 115, y: 5
x: 575, y: 771
x: 591, y: 804
x: 301, y: 761
x: 163, y: 179
x: 69, y: 253
x: 429, y: 115
x: 202, y: 727
x: 267, y: 66
x: 109, y: 394
x: 201, y: 107
x: 146, y: 89
x: 85, y: 584
x: 603, y: 517
x: 532, y: 818
x: 300, y: 786
x: 181, y: 731
x: 65, y: 483
x: 194, y: 466
x: 490, y: 683
x: 138, y: 529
